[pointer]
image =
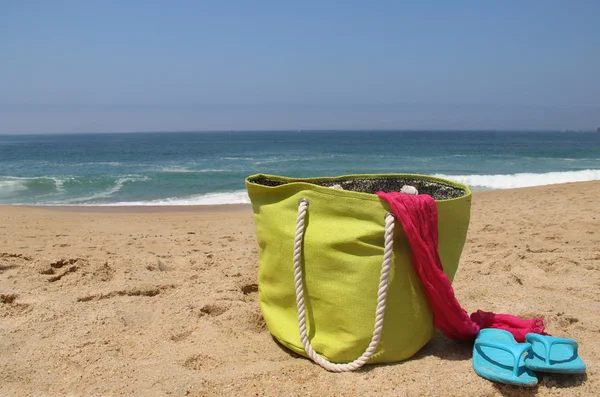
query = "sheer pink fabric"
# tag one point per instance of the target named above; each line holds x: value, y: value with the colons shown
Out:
x: 419, y: 218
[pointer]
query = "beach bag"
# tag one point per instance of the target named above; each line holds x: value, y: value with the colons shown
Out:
x: 336, y: 282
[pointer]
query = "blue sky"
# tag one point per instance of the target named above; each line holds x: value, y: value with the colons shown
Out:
x: 108, y: 66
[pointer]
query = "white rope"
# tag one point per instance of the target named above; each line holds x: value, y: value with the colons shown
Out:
x: 381, y: 294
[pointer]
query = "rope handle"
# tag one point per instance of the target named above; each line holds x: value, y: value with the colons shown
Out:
x: 381, y: 294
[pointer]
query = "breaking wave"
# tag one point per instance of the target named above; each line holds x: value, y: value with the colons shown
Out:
x: 508, y: 181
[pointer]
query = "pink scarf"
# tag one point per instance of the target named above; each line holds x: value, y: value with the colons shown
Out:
x: 419, y: 218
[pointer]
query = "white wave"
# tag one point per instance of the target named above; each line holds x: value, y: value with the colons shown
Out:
x: 508, y: 181
x: 111, y: 163
x: 239, y: 158
x: 174, y: 169
x: 13, y: 185
x: 179, y: 169
x: 58, y: 183
x: 108, y: 192
x: 236, y: 197
x: 282, y: 159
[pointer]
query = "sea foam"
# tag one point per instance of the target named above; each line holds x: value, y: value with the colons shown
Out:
x: 508, y: 181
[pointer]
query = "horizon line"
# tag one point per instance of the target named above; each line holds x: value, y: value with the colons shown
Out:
x: 311, y: 130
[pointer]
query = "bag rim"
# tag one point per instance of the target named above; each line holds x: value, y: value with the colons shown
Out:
x: 308, y: 184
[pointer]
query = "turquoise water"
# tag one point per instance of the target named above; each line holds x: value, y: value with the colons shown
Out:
x: 209, y: 168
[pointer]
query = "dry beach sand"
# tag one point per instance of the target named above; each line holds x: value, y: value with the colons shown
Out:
x: 153, y: 302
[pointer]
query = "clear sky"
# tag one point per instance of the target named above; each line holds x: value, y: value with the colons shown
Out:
x: 143, y: 65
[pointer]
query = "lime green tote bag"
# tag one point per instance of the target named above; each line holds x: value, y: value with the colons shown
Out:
x: 336, y: 282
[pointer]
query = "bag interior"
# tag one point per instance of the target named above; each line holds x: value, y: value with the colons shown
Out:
x: 436, y: 189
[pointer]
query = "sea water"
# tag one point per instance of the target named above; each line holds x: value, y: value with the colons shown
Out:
x: 174, y: 168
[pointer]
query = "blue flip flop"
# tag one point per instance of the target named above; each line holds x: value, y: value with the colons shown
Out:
x: 498, y: 357
x: 551, y: 354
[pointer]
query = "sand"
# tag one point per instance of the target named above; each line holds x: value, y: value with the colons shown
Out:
x: 153, y: 302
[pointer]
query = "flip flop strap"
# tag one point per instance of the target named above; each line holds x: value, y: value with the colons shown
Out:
x: 548, y: 342
x: 516, y: 351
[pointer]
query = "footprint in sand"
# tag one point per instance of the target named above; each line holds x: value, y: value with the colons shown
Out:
x: 12, y: 255
x: 540, y: 250
x: 9, y: 260
x: 63, y: 267
x: 60, y: 268
x: 213, y: 310
x: 565, y: 321
x: 249, y: 288
x: 201, y: 362
x: 104, y: 272
x: 9, y: 307
x: 256, y: 321
x: 557, y: 264
x: 180, y: 336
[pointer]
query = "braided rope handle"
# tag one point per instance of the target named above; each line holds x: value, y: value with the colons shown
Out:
x: 381, y: 294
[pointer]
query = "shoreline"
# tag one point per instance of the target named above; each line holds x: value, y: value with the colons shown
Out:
x: 137, y: 208
x: 235, y: 207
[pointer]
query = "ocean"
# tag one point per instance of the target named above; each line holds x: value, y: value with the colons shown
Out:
x: 209, y: 168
